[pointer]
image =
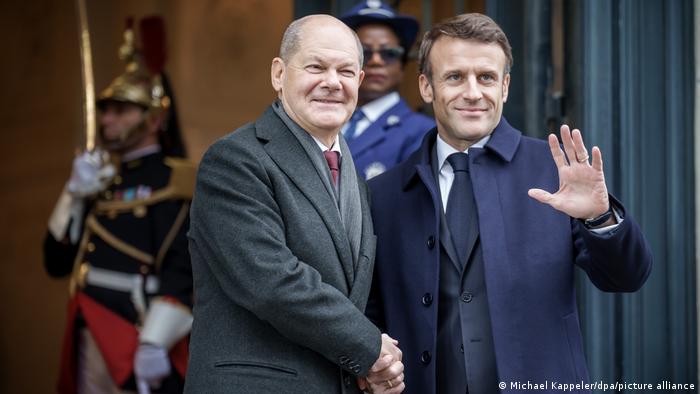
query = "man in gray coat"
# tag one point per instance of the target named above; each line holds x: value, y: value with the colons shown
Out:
x: 282, y: 242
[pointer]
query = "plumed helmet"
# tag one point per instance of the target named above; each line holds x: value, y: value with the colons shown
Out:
x: 140, y: 83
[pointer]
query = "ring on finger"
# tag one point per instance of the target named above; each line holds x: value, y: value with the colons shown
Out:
x: 583, y: 160
x: 388, y: 382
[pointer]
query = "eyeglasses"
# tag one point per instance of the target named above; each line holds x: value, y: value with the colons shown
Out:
x: 388, y: 55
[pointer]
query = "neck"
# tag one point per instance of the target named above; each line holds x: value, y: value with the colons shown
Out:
x: 459, y: 144
x: 326, y: 139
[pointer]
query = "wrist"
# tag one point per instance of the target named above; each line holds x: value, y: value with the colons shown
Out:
x: 605, y: 219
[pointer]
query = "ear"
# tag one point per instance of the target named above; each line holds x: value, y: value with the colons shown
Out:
x: 362, y: 77
x: 506, y: 83
x: 426, y: 89
x: 277, y: 73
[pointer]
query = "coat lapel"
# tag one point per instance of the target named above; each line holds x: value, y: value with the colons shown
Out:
x: 349, y: 197
x: 426, y: 172
x: 365, y: 263
x: 291, y: 157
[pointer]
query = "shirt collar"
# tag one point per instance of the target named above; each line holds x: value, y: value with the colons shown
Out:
x: 334, y: 148
x: 444, y: 149
x: 140, y: 152
x: 376, y: 108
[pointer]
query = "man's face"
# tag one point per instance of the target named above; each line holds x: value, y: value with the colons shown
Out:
x: 382, y: 75
x: 117, y: 118
x: 468, y: 89
x: 318, y: 85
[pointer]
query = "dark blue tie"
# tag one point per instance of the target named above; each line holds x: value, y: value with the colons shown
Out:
x: 461, y: 208
x: 350, y: 132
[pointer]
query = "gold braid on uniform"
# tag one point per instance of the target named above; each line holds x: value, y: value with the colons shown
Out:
x: 180, y: 186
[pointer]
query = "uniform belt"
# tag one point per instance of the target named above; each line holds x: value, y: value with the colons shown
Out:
x: 120, y: 281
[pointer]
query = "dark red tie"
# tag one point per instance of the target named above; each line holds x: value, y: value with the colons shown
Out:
x: 332, y: 159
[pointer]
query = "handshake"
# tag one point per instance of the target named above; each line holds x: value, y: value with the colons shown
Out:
x: 386, y: 375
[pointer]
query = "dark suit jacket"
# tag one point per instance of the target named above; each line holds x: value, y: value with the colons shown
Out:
x: 279, y: 300
x: 529, y: 252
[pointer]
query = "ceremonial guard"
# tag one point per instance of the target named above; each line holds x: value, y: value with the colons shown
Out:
x: 119, y: 230
x: 384, y: 130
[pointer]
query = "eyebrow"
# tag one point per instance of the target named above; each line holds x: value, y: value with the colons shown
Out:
x: 479, y: 70
x: 317, y: 59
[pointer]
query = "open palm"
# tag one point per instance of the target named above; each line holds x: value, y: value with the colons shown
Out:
x: 582, y: 192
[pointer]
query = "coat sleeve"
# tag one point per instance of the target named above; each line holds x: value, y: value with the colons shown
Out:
x: 175, y: 271
x: 58, y: 255
x: 617, y: 261
x: 238, y: 230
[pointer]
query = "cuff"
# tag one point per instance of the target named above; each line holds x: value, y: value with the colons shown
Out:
x: 604, y: 230
x: 166, y: 322
x: 67, y: 208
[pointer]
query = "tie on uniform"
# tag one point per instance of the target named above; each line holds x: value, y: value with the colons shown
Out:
x: 460, y: 205
x: 332, y: 157
x: 350, y: 132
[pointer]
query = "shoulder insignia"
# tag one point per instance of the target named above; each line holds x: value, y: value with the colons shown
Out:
x: 393, y: 120
x: 374, y: 169
x: 182, y: 177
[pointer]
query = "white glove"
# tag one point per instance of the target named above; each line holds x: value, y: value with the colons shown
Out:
x: 91, y: 174
x: 151, y: 364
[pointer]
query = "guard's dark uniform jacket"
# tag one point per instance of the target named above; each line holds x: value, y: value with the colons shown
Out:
x: 133, y: 251
x: 389, y: 140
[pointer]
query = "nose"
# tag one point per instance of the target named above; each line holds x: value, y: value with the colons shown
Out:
x: 331, y: 80
x: 471, y: 89
x: 375, y: 59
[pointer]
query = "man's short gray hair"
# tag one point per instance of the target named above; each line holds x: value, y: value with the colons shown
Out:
x: 293, y: 35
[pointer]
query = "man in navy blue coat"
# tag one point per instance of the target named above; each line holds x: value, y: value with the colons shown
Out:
x: 474, y: 274
x: 384, y: 130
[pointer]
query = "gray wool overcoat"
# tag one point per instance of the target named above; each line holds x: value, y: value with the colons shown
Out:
x: 279, y: 289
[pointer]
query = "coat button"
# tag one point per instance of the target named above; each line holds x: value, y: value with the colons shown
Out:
x: 431, y: 242
x: 343, y: 359
x: 427, y: 299
x: 425, y: 357
x: 461, y: 348
x: 467, y: 296
x: 346, y: 380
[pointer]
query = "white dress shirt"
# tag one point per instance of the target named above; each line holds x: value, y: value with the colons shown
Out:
x: 323, y: 147
x: 445, y: 173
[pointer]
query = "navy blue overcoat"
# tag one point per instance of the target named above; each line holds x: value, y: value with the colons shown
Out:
x: 529, y: 251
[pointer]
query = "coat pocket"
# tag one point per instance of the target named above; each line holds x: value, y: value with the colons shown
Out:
x: 255, y: 368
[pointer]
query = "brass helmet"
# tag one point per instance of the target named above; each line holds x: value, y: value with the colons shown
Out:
x: 140, y: 83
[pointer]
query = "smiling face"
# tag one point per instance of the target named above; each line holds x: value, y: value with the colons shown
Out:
x: 318, y: 83
x: 468, y: 88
